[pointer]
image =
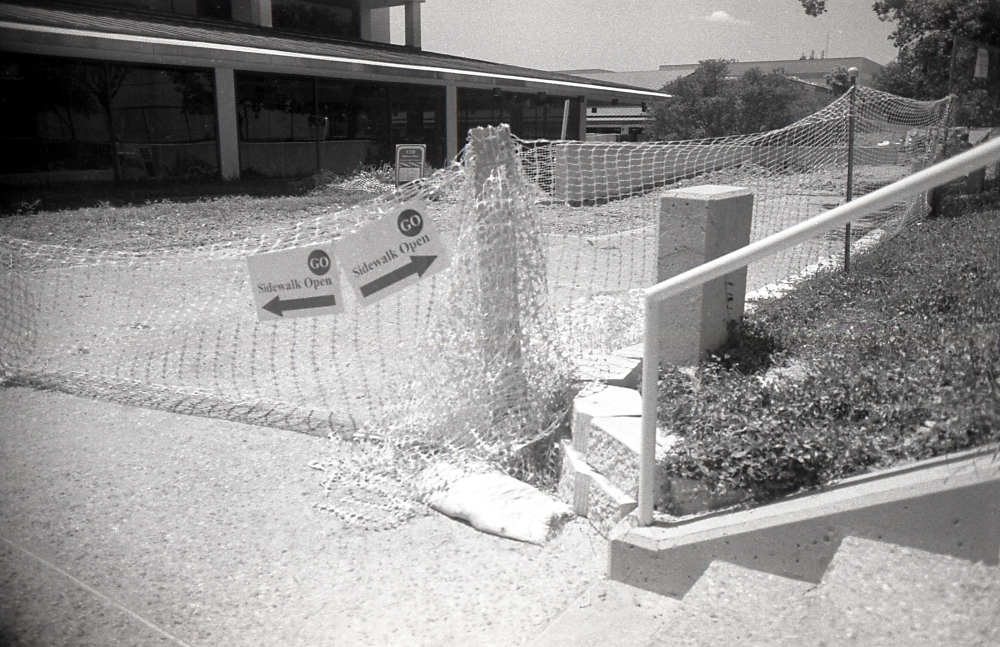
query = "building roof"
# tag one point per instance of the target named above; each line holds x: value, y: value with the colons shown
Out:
x: 649, y: 79
x: 116, y: 34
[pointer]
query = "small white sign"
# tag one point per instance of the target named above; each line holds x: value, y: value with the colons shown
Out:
x: 394, y: 252
x: 410, y: 162
x: 300, y: 282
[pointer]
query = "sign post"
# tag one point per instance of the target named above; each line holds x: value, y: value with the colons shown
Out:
x: 301, y: 282
x: 410, y: 162
x: 394, y: 252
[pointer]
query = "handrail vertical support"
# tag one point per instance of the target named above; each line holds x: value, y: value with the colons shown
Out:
x: 650, y: 389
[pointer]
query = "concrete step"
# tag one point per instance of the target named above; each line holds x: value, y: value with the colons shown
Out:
x: 948, y: 505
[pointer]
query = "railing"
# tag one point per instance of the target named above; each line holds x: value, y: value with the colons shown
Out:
x: 921, y: 181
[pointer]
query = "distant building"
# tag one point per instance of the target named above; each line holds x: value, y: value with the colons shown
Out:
x: 629, y: 121
x: 181, y: 88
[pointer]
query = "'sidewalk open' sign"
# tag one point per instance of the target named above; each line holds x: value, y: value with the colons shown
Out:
x: 382, y: 258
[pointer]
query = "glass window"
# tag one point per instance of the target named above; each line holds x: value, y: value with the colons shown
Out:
x: 530, y: 116
x: 220, y: 9
x: 335, y: 18
x: 273, y: 108
x: 63, y: 115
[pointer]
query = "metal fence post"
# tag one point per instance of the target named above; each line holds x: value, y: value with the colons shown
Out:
x: 853, y: 72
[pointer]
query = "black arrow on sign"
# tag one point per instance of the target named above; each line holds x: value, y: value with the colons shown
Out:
x: 278, y: 307
x: 417, y: 265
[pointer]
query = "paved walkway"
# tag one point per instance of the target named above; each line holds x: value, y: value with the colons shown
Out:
x: 127, y: 526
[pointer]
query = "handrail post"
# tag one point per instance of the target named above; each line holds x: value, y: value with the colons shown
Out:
x: 650, y: 389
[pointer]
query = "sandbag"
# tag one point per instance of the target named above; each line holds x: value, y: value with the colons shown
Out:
x: 493, y: 502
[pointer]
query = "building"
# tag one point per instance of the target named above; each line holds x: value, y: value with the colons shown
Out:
x: 629, y: 121
x: 130, y: 89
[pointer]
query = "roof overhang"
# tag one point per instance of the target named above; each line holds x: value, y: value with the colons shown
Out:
x: 278, y: 54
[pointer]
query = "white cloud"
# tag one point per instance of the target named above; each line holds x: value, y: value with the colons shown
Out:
x: 720, y: 16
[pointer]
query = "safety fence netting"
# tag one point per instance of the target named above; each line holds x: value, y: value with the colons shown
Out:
x: 550, y: 243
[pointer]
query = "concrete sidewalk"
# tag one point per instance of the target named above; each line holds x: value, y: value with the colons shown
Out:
x: 150, y: 528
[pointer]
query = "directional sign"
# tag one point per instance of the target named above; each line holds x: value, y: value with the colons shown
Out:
x: 391, y: 253
x: 300, y: 282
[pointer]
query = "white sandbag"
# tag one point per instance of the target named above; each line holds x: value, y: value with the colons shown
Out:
x: 493, y: 502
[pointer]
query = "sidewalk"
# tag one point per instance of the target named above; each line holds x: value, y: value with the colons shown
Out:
x: 148, y: 528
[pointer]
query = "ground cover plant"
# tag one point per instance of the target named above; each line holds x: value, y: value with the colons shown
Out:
x: 895, y: 361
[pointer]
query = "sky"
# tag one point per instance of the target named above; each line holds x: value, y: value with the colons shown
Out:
x: 628, y: 35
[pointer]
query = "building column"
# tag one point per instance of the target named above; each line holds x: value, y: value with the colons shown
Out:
x: 227, y: 126
x: 451, y: 122
x: 375, y: 23
x: 413, y: 23
x: 582, y: 135
x: 255, y: 12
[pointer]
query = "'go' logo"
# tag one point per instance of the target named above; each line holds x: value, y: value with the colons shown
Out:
x: 319, y: 262
x: 410, y: 222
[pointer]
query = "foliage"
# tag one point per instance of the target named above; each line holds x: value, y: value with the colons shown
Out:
x: 814, y: 7
x: 708, y: 103
x: 924, y: 34
x: 918, y: 19
x: 839, y: 80
x: 898, y: 360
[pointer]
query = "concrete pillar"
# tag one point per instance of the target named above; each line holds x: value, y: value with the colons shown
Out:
x: 697, y: 225
x: 375, y: 24
x: 227, y: 125
x: 413, y: 24
x: 255, y: 12
x: 451, y: 122
x: 582, y: 135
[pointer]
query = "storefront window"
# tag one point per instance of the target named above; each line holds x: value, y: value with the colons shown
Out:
x: 296, y: 126
x: 334, y: 18
x: 530, y: 116
x: 67, y: 115
x: 219, y: 9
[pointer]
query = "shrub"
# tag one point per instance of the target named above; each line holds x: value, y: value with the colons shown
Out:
x: 899, y: 360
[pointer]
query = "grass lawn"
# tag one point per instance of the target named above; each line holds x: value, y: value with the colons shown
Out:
x: 896, y: 361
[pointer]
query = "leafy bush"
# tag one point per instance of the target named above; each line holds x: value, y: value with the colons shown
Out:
x: 898, y: 360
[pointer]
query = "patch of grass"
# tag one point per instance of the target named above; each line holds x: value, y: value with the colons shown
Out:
x: 896, y: 361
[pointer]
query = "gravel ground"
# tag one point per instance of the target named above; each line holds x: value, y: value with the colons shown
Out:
x: 207, y: 530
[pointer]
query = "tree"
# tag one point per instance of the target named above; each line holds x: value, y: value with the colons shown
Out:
x: 708, y: 103
x: 814, y: 7
x: 924, y: 34
x: 839, y: 80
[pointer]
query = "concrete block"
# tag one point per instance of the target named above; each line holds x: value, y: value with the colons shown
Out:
x: 608, y: 504
x: 613, y: 370
x: 633, y: 352
x: 628, y: 431
x: 699, y: 224
x: 949, y: 505
x: 606, y: 401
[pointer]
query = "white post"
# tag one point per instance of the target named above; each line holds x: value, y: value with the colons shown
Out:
x: 451, y: 122
x: 413, y: 24
x: 227, y: 126
x: 650, y: 389
x: 697, y: 225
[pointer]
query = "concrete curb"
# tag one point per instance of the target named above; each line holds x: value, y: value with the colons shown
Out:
x: 948, y: 505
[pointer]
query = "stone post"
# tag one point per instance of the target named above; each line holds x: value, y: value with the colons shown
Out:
x: 697, y: 225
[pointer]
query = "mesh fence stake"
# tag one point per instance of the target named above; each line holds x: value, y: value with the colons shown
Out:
x: 851, y: 116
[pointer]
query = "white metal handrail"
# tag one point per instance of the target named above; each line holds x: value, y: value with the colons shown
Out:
x: 925, y: 180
